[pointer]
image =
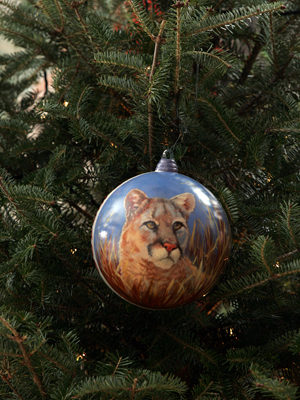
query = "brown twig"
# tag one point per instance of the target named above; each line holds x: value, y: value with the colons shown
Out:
x: 81, y: 210
x: 250, y: 61
x: 133, y: 390
x: 6, y: 380
x: 291, y: 253
x: 11, y: 199
x: 117, y: 366
x: 75, y: 4
x: 20, y: 341
x: 61, y: 15
x: 279, y: 75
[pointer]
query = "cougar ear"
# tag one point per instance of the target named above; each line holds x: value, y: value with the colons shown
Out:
x: 132, y: 201
x: 185, y: 202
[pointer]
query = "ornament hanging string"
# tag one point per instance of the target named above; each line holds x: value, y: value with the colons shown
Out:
x: 197, y: 80
x: 181, y: 134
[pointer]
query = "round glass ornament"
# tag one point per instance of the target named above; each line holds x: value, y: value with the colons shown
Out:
x: 161, y: 240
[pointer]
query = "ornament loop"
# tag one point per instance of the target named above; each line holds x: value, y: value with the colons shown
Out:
x: 167, y: 164
x: 168, y: 152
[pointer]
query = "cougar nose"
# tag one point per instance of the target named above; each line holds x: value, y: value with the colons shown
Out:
x: 169, y: 247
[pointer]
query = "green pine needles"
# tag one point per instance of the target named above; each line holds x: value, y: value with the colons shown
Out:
x: 93, y: 94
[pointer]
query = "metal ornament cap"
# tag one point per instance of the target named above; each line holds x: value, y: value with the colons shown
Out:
x: 167, y: 164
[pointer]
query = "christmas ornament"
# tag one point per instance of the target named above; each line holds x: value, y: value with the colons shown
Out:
x: 160, y: 240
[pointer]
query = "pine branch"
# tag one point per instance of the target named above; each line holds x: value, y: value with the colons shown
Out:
x: 279, y: 75
x: 120, y: 84
x: 202, y: 55
x: 54, y: 362
x: 116, y: 144
x: 206, y: 389
x: 49, y: 15
x: 70, y: 82
x: 202, y: 100
x: 14, y: 33
x: 27, y: 17
x: 82, y: 95
x: 20, y: 340
x: 263, y: 257
x: 233, y: 19
x: 10, y: 199
x: 196, y: 349
x: 75, y: 5
x: 264, y: 281
x: 142, y: 18
x: 22, y: 66
x: 61, y: 15
x: 82, y: 279
x: 282, y: 99
x: 133, y: 62
x: 79, y: 52
x: 273, y: 42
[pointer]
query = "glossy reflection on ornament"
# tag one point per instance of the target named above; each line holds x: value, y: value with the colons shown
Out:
x: 160, y: 240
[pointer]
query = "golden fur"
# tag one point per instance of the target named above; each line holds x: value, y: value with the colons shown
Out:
x: 154, y: 239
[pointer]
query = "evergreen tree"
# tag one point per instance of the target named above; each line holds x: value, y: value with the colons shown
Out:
x: 219, y: 84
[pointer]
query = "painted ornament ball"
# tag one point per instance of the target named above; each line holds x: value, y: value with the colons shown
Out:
x: 161, y: 240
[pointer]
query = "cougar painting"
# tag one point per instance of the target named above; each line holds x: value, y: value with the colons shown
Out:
x: 154, y: 239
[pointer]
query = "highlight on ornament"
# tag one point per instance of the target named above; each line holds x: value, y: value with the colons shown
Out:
x: 161, y: 240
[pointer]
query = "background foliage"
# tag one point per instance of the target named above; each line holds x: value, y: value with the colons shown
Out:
x: 219, y: 83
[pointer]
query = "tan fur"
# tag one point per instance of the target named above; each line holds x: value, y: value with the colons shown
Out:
x: 153, y: 241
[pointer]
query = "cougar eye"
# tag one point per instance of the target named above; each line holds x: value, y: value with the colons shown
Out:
x: 151, y: 225
x: 177, y: 225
